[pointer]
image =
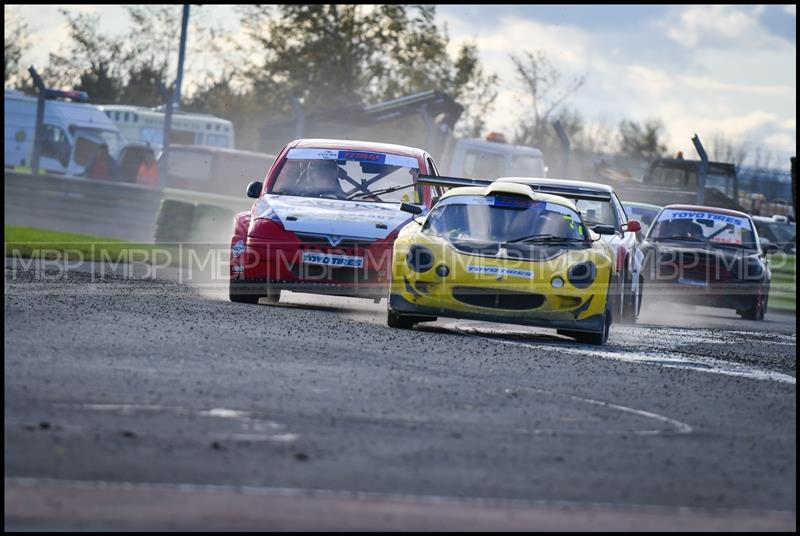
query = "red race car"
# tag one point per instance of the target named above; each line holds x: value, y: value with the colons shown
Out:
x: 325, y: 219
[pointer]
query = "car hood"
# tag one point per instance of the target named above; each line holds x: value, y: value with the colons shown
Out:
x: 725, y: 263
x: 518, y: 251
x: 706, y: 250
x: 346, y: 219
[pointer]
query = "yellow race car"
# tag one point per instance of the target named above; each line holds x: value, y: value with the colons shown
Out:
x: 503, y: 253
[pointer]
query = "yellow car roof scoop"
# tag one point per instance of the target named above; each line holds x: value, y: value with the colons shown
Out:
x: 510, y: 188
x: 523, y: 189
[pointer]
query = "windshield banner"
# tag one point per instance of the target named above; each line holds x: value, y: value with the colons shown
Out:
x: 359, y: 156
x: 673, y: 214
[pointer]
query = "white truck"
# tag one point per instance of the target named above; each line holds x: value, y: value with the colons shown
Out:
x: 490, y: 159
x: 70, y: 139
x: 146, y: 125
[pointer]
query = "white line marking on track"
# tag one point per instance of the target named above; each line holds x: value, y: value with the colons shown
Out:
x: 269, y: 430
x: 680, y: 427
x: 662, y: 359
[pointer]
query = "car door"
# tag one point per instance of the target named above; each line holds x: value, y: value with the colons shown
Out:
x: 629, y: 243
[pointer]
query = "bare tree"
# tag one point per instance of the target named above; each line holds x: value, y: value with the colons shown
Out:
x: 542, y: 83
x: 16, y: 43
x: 641, y: 140
x: 763, y: 158
x: 724, y: 150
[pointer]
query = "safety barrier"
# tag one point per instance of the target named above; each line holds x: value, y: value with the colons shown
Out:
x: 118, y: 210
x: 783, y: 290
x: 88, y: 206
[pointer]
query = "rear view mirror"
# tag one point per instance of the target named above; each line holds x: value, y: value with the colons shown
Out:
x: 412, y: 209
x: 604, y: 229
x: 254, y: 189
x: 633, y: 226
x: 768, y: 247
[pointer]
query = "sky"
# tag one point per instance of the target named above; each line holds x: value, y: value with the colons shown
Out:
x: 710, y: 70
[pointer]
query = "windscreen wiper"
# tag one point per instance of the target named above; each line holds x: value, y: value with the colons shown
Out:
x: 544, y: 238
x: 378, y: 192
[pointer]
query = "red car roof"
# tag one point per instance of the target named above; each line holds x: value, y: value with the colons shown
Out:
x: 709, y: 209
x: 359, y: 146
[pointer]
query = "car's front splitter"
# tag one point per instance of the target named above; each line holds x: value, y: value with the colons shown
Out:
x: 399, y: 305
x: 259, y: 286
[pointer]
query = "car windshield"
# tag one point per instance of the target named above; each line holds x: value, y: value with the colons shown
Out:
x: 645, y: 215
x: 703, y: 226
x: 348, y: 175
x: 596, y: 212
x: 503, y: 218
x: 783, y: 232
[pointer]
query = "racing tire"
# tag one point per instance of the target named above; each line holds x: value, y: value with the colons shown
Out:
x: 631, y: 303
x: 396, y: 321
x: 595, y: 338
x: 273, y: 296
x: 238, y: 294
x: 616, y: 297
x: 757, y: 310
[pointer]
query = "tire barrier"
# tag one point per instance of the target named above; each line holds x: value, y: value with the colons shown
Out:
x: 174, y: 221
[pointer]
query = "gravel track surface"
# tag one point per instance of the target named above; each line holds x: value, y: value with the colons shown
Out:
x: 159, y: 382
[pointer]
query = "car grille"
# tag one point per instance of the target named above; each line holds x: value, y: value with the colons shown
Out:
x: 315, y: 273
x: 497, y: 299
x: 322, y: 242
x: 699, y: 267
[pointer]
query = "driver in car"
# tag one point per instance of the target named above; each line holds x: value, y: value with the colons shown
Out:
x: 685, y: 228
x: 320, y: 179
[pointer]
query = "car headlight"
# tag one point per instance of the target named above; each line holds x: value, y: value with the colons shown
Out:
x: 419, y: 259
x: 582, y: 275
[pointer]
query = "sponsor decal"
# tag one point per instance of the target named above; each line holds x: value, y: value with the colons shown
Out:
x: 362, y: 156
x: 357, y: 156
x: 499, y: 271
x: 328, y: 259
x: 238, y: 269
x: 702, y: 215
x: 238, y: 248
x: 692, y: 282
x: 719, y: 233
x: 511, y: 201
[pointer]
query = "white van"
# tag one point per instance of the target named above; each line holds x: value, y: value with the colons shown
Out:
x: 146, y: 125
x: 71, y: 136
x: 492, y: 158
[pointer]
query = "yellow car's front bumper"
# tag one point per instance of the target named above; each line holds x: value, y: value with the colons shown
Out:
x: 498, y: 290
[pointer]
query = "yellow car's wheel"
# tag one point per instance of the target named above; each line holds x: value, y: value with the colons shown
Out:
x: 588, y: 337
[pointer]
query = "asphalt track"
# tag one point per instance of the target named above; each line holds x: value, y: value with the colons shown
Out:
x: 150, y: 404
